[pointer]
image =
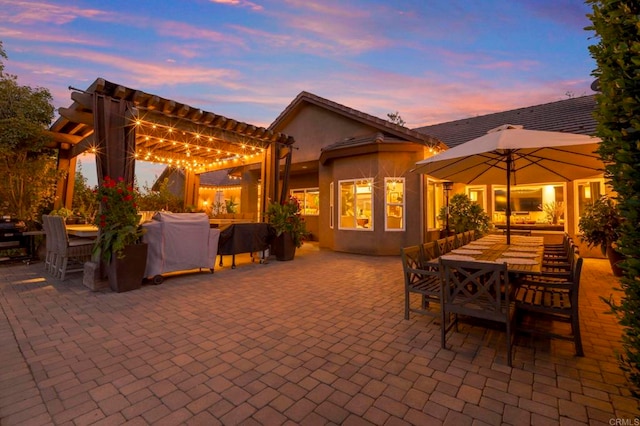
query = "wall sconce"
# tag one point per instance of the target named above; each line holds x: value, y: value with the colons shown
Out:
x: 473, y: 196
x: 587, y: 192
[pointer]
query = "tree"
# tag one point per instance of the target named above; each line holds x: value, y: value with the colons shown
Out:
x: 395, y: 118
x: 162, y: 199
x: 617, y: 54
x: 84, y: 202
x: 27, y: 167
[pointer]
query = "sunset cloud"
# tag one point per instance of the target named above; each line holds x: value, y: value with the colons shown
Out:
x: 432, y: 61
x: 241, y: 3
x: 30, y: 12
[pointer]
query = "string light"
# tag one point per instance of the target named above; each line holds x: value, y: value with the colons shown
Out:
x: 189, y: 157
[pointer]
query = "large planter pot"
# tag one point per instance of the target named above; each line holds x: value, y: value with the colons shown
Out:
x: 126, y: 274
x: 283, y: 247
x: 615, y: 259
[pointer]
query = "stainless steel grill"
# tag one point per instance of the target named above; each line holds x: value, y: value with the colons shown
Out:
x: 15, y: 242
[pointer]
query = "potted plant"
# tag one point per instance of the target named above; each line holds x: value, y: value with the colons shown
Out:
x: 119, y: 236
x: 599, y: 226
x: 465, y: 215
x: 289, y: 225
x: 553, y: 211
x: 62, y: 212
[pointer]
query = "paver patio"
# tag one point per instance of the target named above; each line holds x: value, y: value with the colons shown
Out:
x: 319, y: 340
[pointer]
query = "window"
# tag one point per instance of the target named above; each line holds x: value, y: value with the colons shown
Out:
x: 435, y: 201
x: 529, y: 203
x: 394, y: 209
x: 331, y: 205
x: 309, y: 199
x: 586, y: 193
x: 356, y: 204
x: 478, y: 195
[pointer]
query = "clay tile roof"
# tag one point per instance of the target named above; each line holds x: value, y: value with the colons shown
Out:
x: 385, y: 126
x: 574, y: 115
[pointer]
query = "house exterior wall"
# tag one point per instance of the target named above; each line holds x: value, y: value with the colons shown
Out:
x: 314, y: 128
x: 386, y: 161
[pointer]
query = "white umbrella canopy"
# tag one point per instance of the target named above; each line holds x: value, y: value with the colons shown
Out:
x: 510, y: 155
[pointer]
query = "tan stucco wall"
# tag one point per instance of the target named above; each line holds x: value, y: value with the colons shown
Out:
x: 315, y: 127
x: 378, y: 165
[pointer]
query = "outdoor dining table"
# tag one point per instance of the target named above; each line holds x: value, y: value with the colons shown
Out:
x: 82, y: 230
x: 523, y: 256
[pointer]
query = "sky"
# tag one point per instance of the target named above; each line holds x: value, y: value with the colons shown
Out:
x: 432, y: 61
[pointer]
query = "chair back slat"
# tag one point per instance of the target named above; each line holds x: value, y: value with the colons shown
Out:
x: 430, y: 251
x: 478, y: 290
x: 475, y: 287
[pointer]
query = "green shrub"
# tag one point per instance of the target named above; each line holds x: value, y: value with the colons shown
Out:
x: 465, y: 215
x: 617, y: 54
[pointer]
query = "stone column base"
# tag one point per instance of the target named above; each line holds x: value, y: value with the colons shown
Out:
x: 92, y: 278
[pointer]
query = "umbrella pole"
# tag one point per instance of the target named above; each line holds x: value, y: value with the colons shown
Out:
x: 508, y: 210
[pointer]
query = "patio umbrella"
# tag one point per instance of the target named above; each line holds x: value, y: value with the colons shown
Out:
x: 510, y: 155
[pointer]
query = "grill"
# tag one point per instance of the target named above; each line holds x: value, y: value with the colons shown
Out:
x: 16, y: 243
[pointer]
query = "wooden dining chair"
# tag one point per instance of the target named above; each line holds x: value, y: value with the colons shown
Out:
x: 471, y: 236
x: 478, y: 290
x: 553, y: 297
x: 430, y: 251
x: 420, y: 278
x: 446, y: 244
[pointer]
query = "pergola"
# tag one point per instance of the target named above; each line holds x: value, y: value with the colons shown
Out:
x: 120, y: 125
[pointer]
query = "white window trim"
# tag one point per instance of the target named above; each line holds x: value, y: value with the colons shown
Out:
x: 431, y: 181
x: 291, y: 193
x: 482, y: 188
x: 402, y: 204
x: 355, y: 200
x: 576, y: 207
x: 332, y: 209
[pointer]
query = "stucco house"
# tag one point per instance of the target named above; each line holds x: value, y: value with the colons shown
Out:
x: 353, y: 174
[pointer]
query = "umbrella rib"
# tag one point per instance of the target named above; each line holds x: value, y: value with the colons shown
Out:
x: 492, y: 162
x: 496, y: 162
x: 538, y: 159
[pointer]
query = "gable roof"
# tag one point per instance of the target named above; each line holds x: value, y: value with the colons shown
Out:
x: 384, y: 126
x: 364, y: 140
x: 574, y: 115
x: 218, y: 178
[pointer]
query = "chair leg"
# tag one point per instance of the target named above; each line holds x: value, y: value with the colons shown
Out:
x: 443, y: 328
x: 577, y: 338
x: 509, y: 343
x: 63, y: 268
x: 407, y: 301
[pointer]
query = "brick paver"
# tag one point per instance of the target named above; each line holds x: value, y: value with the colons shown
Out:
x: 321, y: 339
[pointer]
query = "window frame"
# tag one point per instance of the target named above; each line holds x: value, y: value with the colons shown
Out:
x: 438, y: 186
x: 355, y: 182
x: 576, y: 200
x: 332, y: 209
x: 388, y: 203
x: 303, y: 201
